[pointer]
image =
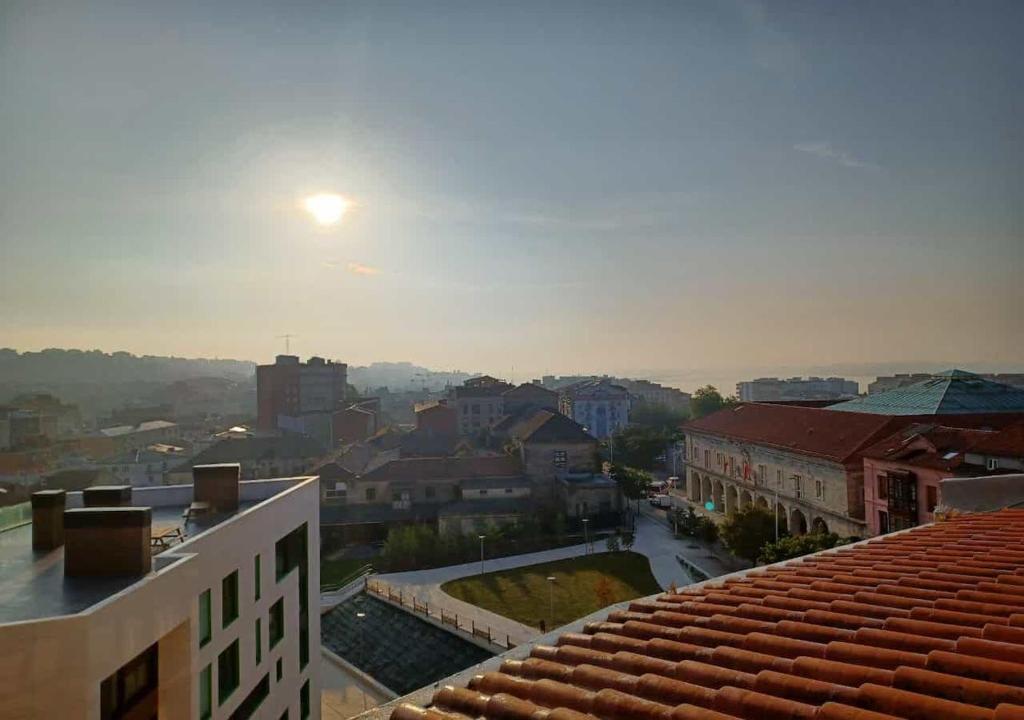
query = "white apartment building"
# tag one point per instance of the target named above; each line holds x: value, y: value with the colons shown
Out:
x: 113, y: 616
x: 600, y: 406
x: 796, y: 389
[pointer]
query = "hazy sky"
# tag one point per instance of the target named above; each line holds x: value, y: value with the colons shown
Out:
x: 556, y: 186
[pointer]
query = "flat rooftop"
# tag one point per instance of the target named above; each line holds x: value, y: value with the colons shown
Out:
x: 33, y: 585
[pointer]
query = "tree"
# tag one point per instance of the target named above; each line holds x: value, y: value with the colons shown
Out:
x: 604, y: 591
x: 708, y: 400
x: 656, y: 416
x: 632, y: 482
x: 690, y: 524
x: 640, y: 447
x: 613, y: 543
x: 797, y: 545
x: 628, y: 538
x: 748, y: 530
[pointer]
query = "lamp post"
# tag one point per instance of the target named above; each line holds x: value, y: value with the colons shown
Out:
x: 586, y: 537
x: 360, y: 617
x: 481, y: 553
x: 551, y: 604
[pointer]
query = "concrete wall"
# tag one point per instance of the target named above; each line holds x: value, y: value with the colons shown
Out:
x: 53, y: 668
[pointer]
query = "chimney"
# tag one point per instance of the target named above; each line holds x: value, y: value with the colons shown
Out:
x: 217, y: 485
x: 107, y: 541
x: 107, y: 496
x: 48, y: 519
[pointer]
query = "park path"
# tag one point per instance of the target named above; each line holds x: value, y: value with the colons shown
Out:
x: 654, y: 540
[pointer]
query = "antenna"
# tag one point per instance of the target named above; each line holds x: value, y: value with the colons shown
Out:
x: 287, y: 342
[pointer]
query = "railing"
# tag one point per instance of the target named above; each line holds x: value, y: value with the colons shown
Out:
x: 12, y: 516
x: 479, y: 631
x: 348, y: 579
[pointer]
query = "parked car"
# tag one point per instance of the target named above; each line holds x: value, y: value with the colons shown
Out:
x: 661, y: 500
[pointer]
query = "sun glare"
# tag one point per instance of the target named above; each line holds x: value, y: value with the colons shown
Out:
x: 326, y: 208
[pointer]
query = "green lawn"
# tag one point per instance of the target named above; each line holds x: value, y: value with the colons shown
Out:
x: 334, y: 571
x: 523, y: 594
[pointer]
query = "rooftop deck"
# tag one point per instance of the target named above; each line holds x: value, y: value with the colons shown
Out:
x: 33, y: 585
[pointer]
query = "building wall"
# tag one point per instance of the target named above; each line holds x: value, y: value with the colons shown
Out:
x: 813, y: 388
x: 478, y: 413
x: 874, y: 504
x: 353, y: 425
x: 582, y: 501
x: 601, y: 417
x: 731, y: 474
x: 492, y: 493
x: 53, y: 668
x: 539, y: 459
x: 439, y: 419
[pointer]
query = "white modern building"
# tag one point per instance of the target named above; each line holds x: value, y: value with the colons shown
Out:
x: 190, y: 601
x: 796, y: 389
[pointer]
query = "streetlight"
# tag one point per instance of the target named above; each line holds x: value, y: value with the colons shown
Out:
x: 586, y: 537
x: 481, y: 553
x: 360, y: 616
x: 551, y: 606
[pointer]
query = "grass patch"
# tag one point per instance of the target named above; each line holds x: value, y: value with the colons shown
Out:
x: 582, y: 585
x: 334, y: 571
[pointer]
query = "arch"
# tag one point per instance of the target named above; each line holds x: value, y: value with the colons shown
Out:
x: 705, y: 489
x: 819, y: 526
x: 761, y: 502
x: 719, y: 496
x: 695, y: 487
x: 798, y: 522
x: 745, y: 500
x: 731, y: 499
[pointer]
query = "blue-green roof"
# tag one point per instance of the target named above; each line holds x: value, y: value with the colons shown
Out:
x: 953, y: 392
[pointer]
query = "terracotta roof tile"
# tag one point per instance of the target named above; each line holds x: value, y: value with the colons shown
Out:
x: 925, y: 624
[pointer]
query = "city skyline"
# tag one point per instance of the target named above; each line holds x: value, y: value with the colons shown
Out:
x: 610, y: 188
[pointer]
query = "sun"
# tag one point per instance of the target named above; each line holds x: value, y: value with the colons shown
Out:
x: 326, y: 208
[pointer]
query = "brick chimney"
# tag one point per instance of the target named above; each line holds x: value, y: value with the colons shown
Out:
x: 217, y: 485
x: 107, y: 541
x: 107, y: 496
x: 48, y: 519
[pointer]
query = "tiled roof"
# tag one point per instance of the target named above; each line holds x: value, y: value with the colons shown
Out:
x: 810, y: 431
x: 1008, y: 442
x: 446, y: 468
x: 927, y: 624
x: 288, y: 446
x: 927, y: 446
x: 948, y: 393
x: 545, y: 426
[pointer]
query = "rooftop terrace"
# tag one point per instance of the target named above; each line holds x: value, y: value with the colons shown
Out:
x: 33, y: 585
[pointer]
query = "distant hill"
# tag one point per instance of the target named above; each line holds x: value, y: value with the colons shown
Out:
x: 399, y: 376
x: 85, y: 366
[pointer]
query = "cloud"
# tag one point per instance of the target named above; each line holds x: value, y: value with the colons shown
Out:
x: 360, y: 269
x: 825, y: 151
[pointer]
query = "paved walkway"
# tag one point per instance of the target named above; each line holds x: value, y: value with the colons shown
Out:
x: 343, y: 695
x: 654, y: 540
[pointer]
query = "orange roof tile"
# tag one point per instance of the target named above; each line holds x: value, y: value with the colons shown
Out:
x: 927, y: 624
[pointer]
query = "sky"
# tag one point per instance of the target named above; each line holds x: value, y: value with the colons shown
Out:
x: 535, y: 187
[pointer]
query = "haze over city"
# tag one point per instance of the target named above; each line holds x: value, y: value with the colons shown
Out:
x: 684, y: 185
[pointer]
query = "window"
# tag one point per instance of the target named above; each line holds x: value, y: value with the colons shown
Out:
x: 275, y: 623
x: 819, y: 490
x: 130, y: 686
x: 778, y: 478
x: 259, y: 640
x: 304, y: 701
x: 227, y: 672
x: 206, y: 693
x: 280, y: 669
x: 561, y: 458
x: 883, y: 522
x: 992, y: 463
x: 205, y: 623
x: 229, y: 599
x: 932, y: 497
x: 476, y: 409
x: 797, y: 483
x: 248, y: 707
x: 707, y: 458
x: 762, y: 473
x: 396, y: 496
x: 508, y: 491
x: 257, y: 577
x: 429, y: 492
x: 483, y: 492
x: 371, y: 494
x: 883, y: 487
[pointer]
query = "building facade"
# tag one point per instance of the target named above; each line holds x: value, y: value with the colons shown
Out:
x: 600, y: 406
x: 224, y: 624
x: 291, y: 389
x: 479, y: 404
x: 796, y: 388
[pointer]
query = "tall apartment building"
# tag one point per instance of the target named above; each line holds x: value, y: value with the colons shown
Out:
x: 290, y: 389
x: 115, y: 605
x: 795, y: 389
x: 479, y: 403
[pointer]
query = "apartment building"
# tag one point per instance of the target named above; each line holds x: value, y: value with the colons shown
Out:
x: 600, y: 406
x: 289, y: 390
x: 193, y: 601
x: 796, y: 389
x: 479, y: 404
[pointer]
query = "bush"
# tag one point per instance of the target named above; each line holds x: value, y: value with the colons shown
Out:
x: 748, y: 530
x: 613, y: 544
x: 797, y: 545
x: 690, y: 524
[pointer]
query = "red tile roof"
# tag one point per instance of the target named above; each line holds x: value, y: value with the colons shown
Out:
x: 811, y: 431
x: 1008, y: 442
x: 927, y: 624
x: 927, y: 446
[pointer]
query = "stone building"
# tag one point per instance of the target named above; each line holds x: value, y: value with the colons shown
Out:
x: 479, y: 404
